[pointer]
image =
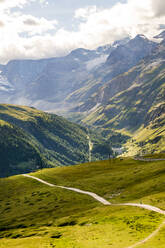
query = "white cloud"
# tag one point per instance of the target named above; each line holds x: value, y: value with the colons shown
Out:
x: 7, y: 4
x: 136, y: 16
x: 44, y: 2
x: 26, y: 36
x: 158, y: 7
x: 85, y: 12
x: 17, y: 23
x: 95, y: 62
x: 33, y: 25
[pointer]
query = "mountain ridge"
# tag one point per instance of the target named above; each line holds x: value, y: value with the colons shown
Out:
x: 32, y: 79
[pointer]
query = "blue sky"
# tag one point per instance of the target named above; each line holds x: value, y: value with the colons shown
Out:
x: 64, y: 10
x: 47, y: 28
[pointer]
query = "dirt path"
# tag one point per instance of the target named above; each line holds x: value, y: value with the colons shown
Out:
x: 145, y: 206
x: 95, y: 196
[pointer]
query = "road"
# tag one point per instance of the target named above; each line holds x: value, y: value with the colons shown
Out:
x: 148, y: 159
x: 90, y: 144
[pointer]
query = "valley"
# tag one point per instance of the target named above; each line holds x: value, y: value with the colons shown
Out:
x: 61, y: 118
x: 82, y: 124
x: 117, y: 89
x: 32, y: 140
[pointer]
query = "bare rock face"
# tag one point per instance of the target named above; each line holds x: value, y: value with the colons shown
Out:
x: 126, y: 56
x: 83, y: 76
x: 133, y: 98
x: 161, y: 35
x: 49, y: 79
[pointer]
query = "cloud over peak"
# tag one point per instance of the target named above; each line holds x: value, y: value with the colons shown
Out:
x: 95, y: 26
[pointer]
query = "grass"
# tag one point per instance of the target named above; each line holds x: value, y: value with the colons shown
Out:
x: 36, y: 215
x: 147, y: 140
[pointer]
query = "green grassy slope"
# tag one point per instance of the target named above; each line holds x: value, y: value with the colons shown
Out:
x: 33, y: 139
x: 139, y: 107
x: 147, y: 91
x: 36, y: 215
x: 150, y: 138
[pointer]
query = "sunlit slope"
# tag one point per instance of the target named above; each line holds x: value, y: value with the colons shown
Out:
x: 36, y: 215
x: 33, y: 139
x: 149, y: 138
x: 131, y: 107
x: 137, y: 111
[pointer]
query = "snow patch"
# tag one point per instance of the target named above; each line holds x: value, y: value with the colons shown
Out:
x: 96, y: 62
x: 5, y: 85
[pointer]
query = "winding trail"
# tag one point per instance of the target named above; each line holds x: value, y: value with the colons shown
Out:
x: 95, y: 196
x: 145, y: 206
x: 149, y: 237
x: 105, y: 202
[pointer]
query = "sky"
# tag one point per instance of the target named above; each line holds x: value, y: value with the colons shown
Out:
x: 34, y: 29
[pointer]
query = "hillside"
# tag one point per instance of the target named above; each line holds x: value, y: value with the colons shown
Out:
x: 32, y: 139
x: 149, y: 138
x: 132, y: 102
x: 37, y: 215
x: 143, y: 92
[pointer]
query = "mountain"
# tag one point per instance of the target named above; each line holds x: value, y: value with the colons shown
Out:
x: 64, y: 83
x: 46, y: 83
x: 160, y: 36
x: 133, y: 101
x: 48, y: 79
x: 120, y: 60
x: 126, y: 56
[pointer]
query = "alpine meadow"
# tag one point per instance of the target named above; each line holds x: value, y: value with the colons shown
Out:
x: 82, y: 124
